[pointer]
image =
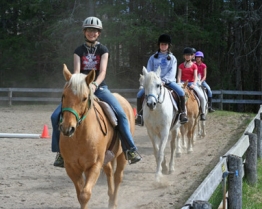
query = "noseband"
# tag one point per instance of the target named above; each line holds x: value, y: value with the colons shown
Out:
x: 158, y: 96
x: 71, y: 110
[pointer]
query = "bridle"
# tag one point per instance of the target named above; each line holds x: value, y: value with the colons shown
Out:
x: 157, y: 98
x: 71, y: 110
x: 88, y: 107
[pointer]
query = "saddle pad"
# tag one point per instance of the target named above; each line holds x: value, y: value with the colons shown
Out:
x: 109, y: 112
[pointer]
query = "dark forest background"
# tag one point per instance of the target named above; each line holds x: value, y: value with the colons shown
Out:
x: 38, y: 36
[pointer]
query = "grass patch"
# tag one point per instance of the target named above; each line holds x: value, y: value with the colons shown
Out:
x: 251, y: 195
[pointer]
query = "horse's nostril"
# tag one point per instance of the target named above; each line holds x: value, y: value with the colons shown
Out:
x: 72, y: 130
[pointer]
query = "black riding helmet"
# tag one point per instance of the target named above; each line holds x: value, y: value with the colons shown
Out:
x: 188, y: 50
x: 164, y: 38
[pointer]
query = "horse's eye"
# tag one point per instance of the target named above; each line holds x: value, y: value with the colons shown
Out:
x: 84, y: 99
x: 158, y: 85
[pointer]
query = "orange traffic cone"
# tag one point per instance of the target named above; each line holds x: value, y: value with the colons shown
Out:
x: 45, y: 133
x: 135, y: 112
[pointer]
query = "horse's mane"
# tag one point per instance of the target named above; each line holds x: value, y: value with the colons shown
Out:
x: 78, y: 85
x: 151, y: 76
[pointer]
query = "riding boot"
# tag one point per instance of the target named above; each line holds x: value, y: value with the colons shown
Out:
x: 139, y: 117
x: 183, y: 117
x: 202, y: 117
x: 210, y: 105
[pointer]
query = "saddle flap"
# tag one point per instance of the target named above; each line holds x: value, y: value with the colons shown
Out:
x: 109, y: 112
x: 196, y: 96
x: 173, y: 97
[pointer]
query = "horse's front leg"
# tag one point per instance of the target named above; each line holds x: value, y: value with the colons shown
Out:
x: 183, y: 133
x: 76, y: 176
x: 161, y: 153
x: 92, y: 175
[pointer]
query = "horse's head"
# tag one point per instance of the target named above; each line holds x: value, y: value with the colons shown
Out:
x: 76, y: 100
x: 153, y: 87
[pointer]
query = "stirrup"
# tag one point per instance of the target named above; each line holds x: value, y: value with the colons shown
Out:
x: 202, y: 117
x: 139, y: 120
x: 132, y: 157
x: 185, y: 119
x: 59, y: 161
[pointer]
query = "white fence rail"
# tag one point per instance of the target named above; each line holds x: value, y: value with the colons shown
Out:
x: 214, y: 178
x: 54, y: 95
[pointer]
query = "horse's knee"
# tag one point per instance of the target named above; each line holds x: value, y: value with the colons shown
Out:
x: 84, y: 197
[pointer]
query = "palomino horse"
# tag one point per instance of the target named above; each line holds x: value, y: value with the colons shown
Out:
x: 160, y: 119
x: 188, y: 129
x: 86, y: 135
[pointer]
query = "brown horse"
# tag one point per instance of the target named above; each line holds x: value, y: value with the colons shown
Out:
x: 86, y: 135
x: 193, y: 112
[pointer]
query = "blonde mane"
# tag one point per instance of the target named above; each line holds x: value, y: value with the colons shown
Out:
x: 78, y: 85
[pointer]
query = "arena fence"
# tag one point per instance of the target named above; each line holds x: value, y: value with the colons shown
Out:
x: 239, y: 161
x: 52, y: 95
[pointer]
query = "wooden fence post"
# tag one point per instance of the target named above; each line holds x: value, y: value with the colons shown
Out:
x: 10, y: 94
x: 251, y: 160
x: 235, y: 182
x: 199, y: 204
x: 258, y: 125
x: 221, y: 100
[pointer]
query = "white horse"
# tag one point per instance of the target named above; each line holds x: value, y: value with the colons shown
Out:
x: 159, y: 117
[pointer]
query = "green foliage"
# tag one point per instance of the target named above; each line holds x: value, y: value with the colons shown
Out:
x: 41, y: 35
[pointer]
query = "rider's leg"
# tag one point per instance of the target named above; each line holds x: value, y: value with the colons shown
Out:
x: 181, y: 104
x: 209, y: 94
x: 127, y: 141
x: 139, y: 103
x: 203, y: 102
x: 59, y: 162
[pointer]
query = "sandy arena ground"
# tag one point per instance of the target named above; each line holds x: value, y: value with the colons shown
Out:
x: 28, y: 179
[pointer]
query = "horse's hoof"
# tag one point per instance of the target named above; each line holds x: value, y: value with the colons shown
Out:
x: 189, y: 151
x: 178, y: 154
x: 171, y: 171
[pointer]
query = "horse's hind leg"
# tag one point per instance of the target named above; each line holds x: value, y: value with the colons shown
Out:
x: 173, y: 141
x: 114, y: 179
x: 108, y: 169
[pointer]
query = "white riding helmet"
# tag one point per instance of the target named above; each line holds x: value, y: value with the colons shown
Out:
x: 92, y: 22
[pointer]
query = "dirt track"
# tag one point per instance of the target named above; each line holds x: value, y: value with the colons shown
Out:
x: 29, y: 180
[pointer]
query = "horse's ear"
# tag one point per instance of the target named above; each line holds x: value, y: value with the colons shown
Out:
x: 90, y: 77
x: 67, y: 74
x: 144, y: 70
x: 158, y: 71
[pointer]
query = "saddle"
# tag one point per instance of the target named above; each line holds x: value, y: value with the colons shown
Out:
x: 111, y: 115
x: 174, y: 97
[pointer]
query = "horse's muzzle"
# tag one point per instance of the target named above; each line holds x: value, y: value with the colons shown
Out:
x: 67, y: 131
x: 151, y: 105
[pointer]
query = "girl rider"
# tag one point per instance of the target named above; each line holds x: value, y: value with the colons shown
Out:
x: 93, y: 55
x: 168, y: 64
x: 187, y: 71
